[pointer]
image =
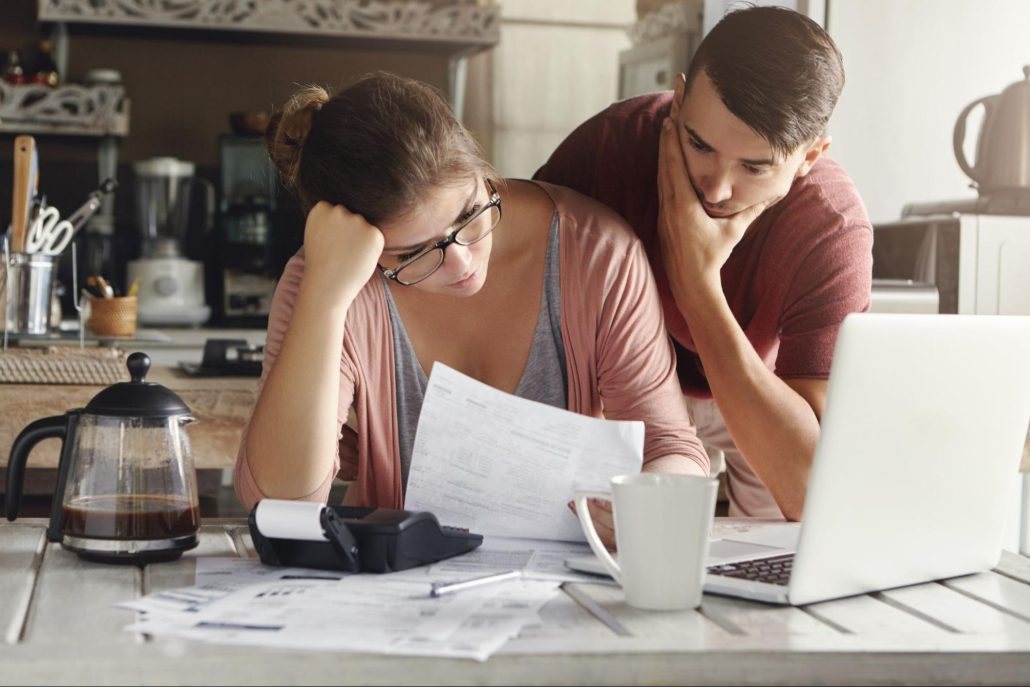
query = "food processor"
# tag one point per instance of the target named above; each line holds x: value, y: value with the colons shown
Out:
x: 171, y: 286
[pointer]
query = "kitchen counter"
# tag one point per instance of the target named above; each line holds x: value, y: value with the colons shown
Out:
x: 221, y: 406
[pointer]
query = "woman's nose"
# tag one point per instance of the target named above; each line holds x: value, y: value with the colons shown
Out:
x: 456, y: 259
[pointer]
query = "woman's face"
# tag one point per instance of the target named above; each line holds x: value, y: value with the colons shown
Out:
x: 464, y: 268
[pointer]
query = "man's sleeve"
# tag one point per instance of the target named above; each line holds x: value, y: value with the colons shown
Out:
x: 834, y: 280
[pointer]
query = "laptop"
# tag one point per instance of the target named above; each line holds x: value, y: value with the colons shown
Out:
x: 924, y: 426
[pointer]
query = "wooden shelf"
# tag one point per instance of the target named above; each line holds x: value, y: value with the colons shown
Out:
x: 456, y: 26
x: 71, y: 110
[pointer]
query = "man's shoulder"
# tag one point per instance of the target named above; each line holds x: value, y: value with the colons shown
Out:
x: 826, y: 197
x: 647, y: 107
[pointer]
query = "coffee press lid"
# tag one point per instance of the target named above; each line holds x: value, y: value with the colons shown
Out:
x: 138, y: 398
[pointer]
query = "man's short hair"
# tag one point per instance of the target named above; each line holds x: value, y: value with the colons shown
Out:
x: 776, y: 70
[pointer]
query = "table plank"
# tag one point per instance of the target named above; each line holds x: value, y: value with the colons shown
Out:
x: 863, y: 615
x: 74, y: 600
x: 953, y: 610
x: 650, y: 623
x: 560, y: 617
x: 1002, y: 592
x: 743, y: 617
x: 1015, y: 566
x: 214, y: 540
x: 20, y: 557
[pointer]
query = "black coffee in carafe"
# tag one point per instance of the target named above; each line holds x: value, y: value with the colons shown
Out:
x: 130, y: 517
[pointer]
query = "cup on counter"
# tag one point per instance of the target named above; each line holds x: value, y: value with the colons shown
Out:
x: 662, y: 526
x: 112, y: 316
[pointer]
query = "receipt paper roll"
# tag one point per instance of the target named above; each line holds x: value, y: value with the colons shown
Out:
x: 280, y: 519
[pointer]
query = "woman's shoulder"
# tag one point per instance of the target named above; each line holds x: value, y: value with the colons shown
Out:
x: 588, y: 223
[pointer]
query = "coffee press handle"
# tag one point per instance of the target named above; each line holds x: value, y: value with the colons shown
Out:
x: 46, y: 428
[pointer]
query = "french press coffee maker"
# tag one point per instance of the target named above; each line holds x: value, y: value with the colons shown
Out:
x: 126, y: 486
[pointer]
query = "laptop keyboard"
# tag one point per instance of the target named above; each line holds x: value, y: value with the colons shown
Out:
x: 773, y: 570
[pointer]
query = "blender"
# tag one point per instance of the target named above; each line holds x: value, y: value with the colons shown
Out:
x: 171, y: 286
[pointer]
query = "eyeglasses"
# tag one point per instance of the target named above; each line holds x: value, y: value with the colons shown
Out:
x: 414, y: 269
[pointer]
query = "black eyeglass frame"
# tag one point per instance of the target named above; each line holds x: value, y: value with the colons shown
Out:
x: 494, y: 202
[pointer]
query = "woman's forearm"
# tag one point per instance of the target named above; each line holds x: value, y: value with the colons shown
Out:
x: 674, y: 465
x: 291, y: 443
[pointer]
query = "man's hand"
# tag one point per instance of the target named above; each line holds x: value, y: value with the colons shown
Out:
x: 694, y: 245
x: 604, y: 522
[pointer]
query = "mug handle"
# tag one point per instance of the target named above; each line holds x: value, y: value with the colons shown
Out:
x: 583, y: 512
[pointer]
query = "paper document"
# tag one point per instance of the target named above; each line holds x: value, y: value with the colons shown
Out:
x: 236, y: 601
x: 504, y: 466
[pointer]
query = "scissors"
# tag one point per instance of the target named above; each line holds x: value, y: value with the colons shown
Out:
x: 49, y: 234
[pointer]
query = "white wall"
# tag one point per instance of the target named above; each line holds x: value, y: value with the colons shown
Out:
x: 555, y: 66
x: 912, y: 66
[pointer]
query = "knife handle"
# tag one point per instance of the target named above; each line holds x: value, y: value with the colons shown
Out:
x: 24, y: 153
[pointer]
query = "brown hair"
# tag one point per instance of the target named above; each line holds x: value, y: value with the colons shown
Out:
x: 377, y: 147
x: 776, y: 70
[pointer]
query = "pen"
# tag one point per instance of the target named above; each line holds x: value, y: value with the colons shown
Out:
x: 441, y: 588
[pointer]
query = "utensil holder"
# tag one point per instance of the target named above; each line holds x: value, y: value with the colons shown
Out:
x: 26, y: 288
x: 112, y: 316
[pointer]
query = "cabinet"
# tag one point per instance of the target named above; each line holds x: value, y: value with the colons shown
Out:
x: 663, y: 43
x: 994, y: 279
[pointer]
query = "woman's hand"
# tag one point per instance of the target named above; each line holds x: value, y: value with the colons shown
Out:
x: 341, y: 250
x: 604, y: 521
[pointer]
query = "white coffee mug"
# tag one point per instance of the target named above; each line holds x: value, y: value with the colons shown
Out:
x: 662, y: 526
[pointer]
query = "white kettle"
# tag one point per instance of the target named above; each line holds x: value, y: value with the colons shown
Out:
x: 1003, y: 146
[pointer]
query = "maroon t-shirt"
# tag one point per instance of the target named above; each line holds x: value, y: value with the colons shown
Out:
x: 804, y: 264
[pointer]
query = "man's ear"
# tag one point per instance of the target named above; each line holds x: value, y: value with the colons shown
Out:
x: 679, y: 87
x: 812, y: 155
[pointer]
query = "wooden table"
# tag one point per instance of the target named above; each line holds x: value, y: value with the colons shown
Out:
x: 60, y: 626
x: 221, y: 406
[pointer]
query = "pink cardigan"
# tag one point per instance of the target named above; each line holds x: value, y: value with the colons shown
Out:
x: 620, y: 362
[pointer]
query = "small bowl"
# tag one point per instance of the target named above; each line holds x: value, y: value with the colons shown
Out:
x: 249, y: 123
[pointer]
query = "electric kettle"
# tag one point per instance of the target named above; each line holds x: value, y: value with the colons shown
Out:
x: 126, y: 487
x: 1003, y: 146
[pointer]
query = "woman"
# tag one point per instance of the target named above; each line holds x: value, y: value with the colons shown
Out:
x: 414, y: 252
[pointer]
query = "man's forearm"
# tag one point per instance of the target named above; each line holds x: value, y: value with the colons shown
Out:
x: 774, y: 428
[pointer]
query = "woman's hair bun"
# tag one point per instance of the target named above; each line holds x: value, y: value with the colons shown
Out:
x: 288, y: 130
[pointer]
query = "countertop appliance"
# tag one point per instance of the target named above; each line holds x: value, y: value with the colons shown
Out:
x: 1002, y: 164
x: 245, y: 267
x: 978, y: 263
x: 171, y: 286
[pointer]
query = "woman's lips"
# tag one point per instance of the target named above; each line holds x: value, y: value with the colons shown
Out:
x: 464, y: 281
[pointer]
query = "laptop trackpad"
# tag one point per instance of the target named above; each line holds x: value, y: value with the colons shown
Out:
x: 720, y: 551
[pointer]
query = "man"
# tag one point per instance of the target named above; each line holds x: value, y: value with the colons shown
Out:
x: 760, y: 244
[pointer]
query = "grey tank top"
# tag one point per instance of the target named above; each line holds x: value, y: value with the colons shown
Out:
x: 545, y: 378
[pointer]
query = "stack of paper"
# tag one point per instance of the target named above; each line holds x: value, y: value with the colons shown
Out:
x: 239, y: 601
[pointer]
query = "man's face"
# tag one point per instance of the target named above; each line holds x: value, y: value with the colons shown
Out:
x: 731, y: 167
